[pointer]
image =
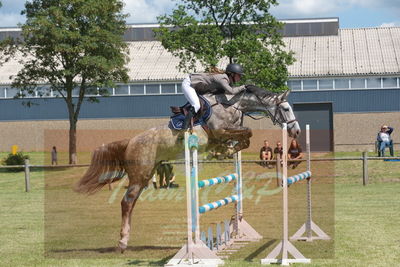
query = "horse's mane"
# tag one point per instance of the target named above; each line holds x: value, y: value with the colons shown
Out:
x: 259, y: 92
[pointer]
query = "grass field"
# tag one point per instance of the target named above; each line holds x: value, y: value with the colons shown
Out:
x: 53, y: 226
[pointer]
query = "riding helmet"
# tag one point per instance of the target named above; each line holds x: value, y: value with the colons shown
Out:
x: 234, y: 68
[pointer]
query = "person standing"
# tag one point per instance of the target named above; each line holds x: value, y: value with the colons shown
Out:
x: 54, y: 160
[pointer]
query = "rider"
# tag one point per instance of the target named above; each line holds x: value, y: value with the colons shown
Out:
x: 215, y: 81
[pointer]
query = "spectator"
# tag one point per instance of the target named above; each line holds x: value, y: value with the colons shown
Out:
x: 166, y: 176
x: 278, y: 150
x: 385, y: 140
x: 54, y: 156
x: 294, y: 152
x: 266, y: 154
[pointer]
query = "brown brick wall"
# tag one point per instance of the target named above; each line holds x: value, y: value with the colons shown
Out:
x: 358, y: 131
x: 353, y: 132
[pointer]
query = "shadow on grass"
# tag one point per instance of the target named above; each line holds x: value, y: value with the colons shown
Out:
x: 150, y: 263
x: 259, y: 250
x: 114, y: 249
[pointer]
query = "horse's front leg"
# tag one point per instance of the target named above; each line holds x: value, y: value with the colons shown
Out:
x: 127, y: 204
x: 241, y: 135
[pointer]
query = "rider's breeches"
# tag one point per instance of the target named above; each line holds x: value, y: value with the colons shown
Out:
x: 190, y: 93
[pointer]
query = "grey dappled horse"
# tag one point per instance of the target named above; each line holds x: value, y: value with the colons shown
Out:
x: 140, y: 156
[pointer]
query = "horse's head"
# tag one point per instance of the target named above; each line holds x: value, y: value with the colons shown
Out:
x: 281, y: 112
x: 257, y: 100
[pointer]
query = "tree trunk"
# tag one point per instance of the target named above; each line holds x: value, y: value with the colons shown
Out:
x: 73, y: 159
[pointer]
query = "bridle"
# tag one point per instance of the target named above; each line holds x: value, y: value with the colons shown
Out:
x: 278, y: 111
x: 275, y: 118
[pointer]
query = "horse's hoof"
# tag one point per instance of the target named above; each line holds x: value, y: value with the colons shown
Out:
x: 122, y: 247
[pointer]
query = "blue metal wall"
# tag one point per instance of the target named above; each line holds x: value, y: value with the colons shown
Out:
x: 109, y: 107
x: 346, y: 101
x: 380, y: 100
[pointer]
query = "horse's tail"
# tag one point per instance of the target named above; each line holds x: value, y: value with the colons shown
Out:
x: 107, y: 166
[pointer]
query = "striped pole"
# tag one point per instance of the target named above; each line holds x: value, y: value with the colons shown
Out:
x: 219, y: 203
x: 217, y: 180
x: 298, y: 177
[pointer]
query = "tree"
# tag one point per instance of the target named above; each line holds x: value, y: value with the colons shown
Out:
x: 207, y: 31
x: 72, y: 45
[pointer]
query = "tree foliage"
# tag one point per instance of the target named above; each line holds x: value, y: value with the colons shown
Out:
x: 209, y: 31
x: 72, y: 45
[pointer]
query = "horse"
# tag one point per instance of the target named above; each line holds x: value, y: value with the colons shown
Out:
x: 140, y: 156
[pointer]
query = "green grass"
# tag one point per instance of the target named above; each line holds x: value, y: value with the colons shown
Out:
x: 53, y: 226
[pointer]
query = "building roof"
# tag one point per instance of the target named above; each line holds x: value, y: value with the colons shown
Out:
x: 353, y: 52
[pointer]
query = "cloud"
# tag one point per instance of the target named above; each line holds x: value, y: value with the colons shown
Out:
x: 320, y: 8
x: 146, y: 11
x: 390, y: 24
x: 140, y: 11
x: 389, y: 4
x: 310, y: 8
x: 10, y: 13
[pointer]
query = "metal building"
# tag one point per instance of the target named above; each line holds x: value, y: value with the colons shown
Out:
x: 345, y: 83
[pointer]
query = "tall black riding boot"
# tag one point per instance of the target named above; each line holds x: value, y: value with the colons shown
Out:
x: 191, y: 113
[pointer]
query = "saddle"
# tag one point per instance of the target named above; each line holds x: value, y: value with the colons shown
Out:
x: 179, y: 114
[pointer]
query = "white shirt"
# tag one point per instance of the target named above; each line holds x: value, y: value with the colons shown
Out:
x: 385, y: 137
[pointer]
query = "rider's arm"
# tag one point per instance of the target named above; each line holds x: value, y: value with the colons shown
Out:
x: 224, y: 82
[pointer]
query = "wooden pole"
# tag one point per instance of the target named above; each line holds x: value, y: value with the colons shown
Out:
x: 27, y: 176
x: 365, y: 168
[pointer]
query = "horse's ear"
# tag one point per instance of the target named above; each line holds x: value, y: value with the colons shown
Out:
x: 284, y: 95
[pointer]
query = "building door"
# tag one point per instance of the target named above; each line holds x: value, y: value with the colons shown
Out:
x: 320, y: 118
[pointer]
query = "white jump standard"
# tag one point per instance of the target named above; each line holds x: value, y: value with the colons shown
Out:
x: 285, y: 247
x: 199, y: 251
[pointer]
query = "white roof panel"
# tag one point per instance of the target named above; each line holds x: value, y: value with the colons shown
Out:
x: 321, y: 55
x: 348, y: 56
x: 335, y: 62
x: 296, y: 45
x: 375, y: 51
x: 361, y: 52
x: 353, y: 52
x: 308, y: 57
x: 395, y: 34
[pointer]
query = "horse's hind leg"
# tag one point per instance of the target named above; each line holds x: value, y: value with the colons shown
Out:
x: 127, y: 204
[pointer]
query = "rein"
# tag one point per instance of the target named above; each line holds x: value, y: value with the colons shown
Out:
x: 274, y: 117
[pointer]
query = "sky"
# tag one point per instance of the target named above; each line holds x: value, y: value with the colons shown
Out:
x: 351, y: 13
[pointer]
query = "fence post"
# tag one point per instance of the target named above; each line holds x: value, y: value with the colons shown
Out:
x: 27, y: 176
x: 365, y: 168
